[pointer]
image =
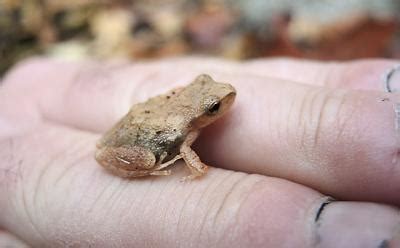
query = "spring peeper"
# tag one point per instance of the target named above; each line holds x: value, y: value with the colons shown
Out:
x: 156, y: 133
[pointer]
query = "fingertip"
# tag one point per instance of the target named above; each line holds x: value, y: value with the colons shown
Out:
x: 365, y: 74
x: 357, y: 224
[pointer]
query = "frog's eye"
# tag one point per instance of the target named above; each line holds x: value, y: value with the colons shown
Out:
x: 213, y: 108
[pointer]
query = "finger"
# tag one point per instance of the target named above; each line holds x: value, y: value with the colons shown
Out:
x: 362, y: 74
x: 340, y: 142
x: 59, y: 196
x: 76, y: 90
x: 92, y: 95
x: 88, y: 95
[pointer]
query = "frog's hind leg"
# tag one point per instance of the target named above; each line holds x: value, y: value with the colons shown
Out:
x: 128, y: 162
x: 160, y: 165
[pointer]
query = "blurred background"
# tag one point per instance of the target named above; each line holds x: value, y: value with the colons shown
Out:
x: 234, y: 29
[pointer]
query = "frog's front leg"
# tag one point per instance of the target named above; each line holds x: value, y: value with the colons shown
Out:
x: 196, y: 167
x: 128, y: 161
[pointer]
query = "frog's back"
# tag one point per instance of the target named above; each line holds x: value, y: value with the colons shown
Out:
x: 156, y: 124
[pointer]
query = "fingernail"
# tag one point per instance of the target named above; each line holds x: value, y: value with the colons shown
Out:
x: 351, y: 224
x: 391, y: 79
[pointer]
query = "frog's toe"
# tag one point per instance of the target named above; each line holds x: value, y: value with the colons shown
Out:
x: 161, y: 173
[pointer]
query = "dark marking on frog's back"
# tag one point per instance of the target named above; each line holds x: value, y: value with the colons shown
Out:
x: 160, y: 141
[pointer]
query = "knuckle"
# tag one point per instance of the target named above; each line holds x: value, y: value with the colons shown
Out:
x: 10, y: 166
x: 231, y: 217
x: 220, y: 210
x: 26, y: 71
x: 323, y: 119
x: 93, y: 77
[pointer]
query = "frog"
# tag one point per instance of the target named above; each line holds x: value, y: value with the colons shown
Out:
x: 156, y: 133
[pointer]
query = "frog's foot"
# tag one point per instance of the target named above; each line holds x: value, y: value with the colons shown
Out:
x: 161, y: 173
x: 192, y: 176
x: 137, y: 173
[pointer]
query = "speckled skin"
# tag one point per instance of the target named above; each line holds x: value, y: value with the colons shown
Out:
x: 156, y: 133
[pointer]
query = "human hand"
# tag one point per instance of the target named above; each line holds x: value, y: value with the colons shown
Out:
x: 298, y: 132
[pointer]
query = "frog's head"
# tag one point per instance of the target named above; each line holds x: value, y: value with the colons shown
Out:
x: 211, y: 99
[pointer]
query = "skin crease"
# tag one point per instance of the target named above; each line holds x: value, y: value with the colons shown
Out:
x: 53, y: 194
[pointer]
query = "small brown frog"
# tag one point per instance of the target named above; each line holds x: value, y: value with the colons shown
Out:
x: 156, y: 133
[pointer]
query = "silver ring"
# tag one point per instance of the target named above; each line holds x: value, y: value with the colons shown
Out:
x: 387, y: 76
